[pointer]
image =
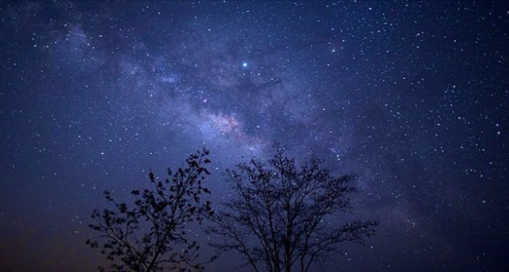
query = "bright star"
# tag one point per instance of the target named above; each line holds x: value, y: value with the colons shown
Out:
x: 244, y: 64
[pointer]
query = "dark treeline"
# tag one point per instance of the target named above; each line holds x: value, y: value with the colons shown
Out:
x: 276, y: 220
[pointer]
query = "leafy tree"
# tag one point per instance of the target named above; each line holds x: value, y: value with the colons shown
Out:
x: 277, y: 218
x: 149, y: 234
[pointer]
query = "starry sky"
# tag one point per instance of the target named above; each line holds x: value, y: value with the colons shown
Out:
x: 412, y: 96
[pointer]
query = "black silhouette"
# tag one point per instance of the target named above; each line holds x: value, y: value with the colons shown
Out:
x: 149, y: 235
x: 277, y: 218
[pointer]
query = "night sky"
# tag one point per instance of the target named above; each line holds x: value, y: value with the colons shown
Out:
x: 412, y: 96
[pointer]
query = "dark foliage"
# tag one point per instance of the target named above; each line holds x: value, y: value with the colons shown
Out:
x: 278, y: 215
x: 149, y: 234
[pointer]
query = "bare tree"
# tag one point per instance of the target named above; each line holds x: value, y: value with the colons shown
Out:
x: 278, y: 215
x: 149, y: 234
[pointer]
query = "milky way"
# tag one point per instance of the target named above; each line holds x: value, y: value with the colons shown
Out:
x: 411, y: 96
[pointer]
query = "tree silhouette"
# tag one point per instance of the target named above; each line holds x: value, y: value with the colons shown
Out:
x: 277, y: 216
x: 149, y: 234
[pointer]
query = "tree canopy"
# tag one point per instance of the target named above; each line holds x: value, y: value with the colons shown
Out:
x: 277, y: 218
x: 149, y: 233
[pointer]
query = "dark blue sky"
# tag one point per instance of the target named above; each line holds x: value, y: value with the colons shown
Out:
x: 412, y: 96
